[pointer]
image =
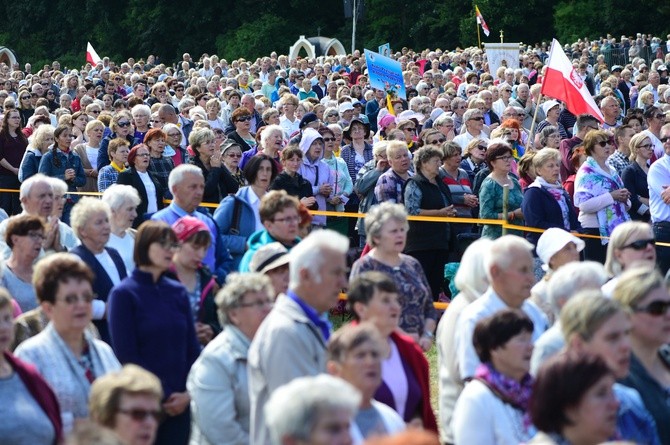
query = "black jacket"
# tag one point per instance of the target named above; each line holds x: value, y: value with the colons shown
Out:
x: 132, y: 178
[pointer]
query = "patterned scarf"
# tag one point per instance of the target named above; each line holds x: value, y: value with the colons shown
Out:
x: 510, y: 391
x: 592, y: 181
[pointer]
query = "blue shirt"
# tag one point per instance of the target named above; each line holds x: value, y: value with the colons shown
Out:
x: 320, y: 321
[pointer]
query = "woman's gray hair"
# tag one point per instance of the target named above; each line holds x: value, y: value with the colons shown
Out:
x: 42, y: 132
x: 295, y: 408
x: 58, y: 186
x: 268, y: 131
x: 140, y: 109
x: 379, y: 215
x: 199, y: 135
x: 379, y: 148
x: 442, y: 120
x: 545, y: 133
x: 268, y: 113
x: 545, y: 155
x: 118, y: 195
x: 237, y: 286
x: 471, y: 275
x: 621, y: 235
x: 572, y: 278
x: 424, y: 154
x: 84, y: 210
x: 168, y: 127
x: 308, y: 254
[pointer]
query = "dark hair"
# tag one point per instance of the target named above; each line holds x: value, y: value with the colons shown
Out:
x: 21, y: 225
x: 585, y: 119
x: 5, y: 126
x: 290, y: 151
x: 323, y: 130
x: 350, y: 337
x: 201, y: 238
x: 495, y: 150
x: 495, y: 331
x: 151, y: 232
x: 620, y: 131
x: 54, y: 150
x: 133, y: 154
x: 254, y: 164
x: 58, y: 268
x: 560, y: 384
x: 363, y: 287
x: 650, y: 112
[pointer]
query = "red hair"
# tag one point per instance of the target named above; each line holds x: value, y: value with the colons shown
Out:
x: 154, y: 133
x: 513, y: 123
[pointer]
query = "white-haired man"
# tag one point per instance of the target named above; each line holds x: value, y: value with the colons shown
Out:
x: 291, y: 342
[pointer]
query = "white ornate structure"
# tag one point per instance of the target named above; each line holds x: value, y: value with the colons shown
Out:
x: 316, y: 47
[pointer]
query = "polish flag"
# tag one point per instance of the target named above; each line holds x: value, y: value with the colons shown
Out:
x: 91, y: 55
x: 562, y: 82
x: 480, y: 20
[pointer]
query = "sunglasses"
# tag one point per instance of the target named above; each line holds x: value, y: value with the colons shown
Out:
x: 329, y: 139
x: 482, y: 147
x: 438, y: 141
x: 603, y: 144
x: 124, y: 124
x: 659, y: 116
x: 640, y: 244
x: 244, y: 119
x: 665, y: 139
x: 477, y: 119
x: 656, y: 308
x: 25, y: 97
x: 234, y: 155
x: 646, y: 146
x: 139, y: 415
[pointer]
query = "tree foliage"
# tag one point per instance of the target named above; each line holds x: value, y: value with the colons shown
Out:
x: 44, y: 30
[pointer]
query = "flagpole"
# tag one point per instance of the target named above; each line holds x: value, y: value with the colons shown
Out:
x: 532, y: 124
x: 479, y: 39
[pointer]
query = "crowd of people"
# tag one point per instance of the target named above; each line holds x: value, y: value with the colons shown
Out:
x: 178, y: 239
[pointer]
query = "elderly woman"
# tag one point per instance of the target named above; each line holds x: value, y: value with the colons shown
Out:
x: 122, y: 201
x: 213, y: 109
x: 128, y: 403
x: 88, y: 153
x: 474, y: 158
x: 60, y: 162
x: 66, y: 355
x: 151, y: 325
x: 272, y: 141
x: 24, y: 235
x: 472, y: 282
x: 141, y: 115
x: 573, y: 402
x: 634, y: 176
x: 241, y: 120
x: 595, y: 324
x: 147, y: 185
x: 40, y: 142
x: 219, y: 183
x: 643, y: 291
x: 549, y: 137
x: 231, y: 153
x: 39, y: 419
x: 460, y: 187
x: 316, y: 172
x: 272, y: 260
x: 118, y: 155
x: 217, y: 381
x: 121, y: 128
x: 173, y: 149
x: 386, y: 230
x: 493, y: 407
x: 355, y: 155
x: 545, y: 204
x: 499, y: 158
x: 159, y: 165
x: 90, y: 222
x: 259, y: 172
x: 373, y: 297
x: 427, y: 195
x: 602, y: 199
x: 271, y: 117
x: 187, y: 268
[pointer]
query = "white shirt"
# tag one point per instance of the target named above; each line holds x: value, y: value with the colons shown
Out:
x: 464, y: 139
x: 488, y: 304
x: 150, y: 188
x: 255, y: 203
x: 107, y: 263
x: 125, y: 248
x: 659, y: 151
x: 288, y: 126
x: 657, y: 179
x: 394, y: 376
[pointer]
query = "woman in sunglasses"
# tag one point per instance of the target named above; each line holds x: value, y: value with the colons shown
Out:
x: 634, y: 176
x: 121, y: 127
x: 600, y: 195
x: 241, y: 119
x: 631, y: 243
x: 643, y: 291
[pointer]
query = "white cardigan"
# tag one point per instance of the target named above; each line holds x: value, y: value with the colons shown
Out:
x: 480, y: 417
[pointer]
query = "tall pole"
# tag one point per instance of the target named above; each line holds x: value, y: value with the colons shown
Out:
x: 353, y: 28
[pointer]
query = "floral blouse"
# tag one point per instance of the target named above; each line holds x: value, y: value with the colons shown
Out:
x: 491, y: 204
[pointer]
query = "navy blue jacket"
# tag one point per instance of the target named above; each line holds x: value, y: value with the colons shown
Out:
x: 541, y: 210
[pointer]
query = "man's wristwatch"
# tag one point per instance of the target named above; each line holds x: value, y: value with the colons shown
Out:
x: 428, y: 334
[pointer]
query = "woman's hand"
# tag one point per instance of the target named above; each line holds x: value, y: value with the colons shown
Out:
x: 215, y: 160
x: 69, y: 174
x: 620, y: 195
x: 176, y: 403
x: 426, y: 343
x: 335, y: 200
x: 470, y: 200
x: 382, y: 165
x: 308, y: 201
x: 204, y: 332
x: 448, y: 211
x: 325, y: 190
x: 52, y: 234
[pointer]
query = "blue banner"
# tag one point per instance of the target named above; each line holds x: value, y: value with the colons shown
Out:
x: 385, y: 73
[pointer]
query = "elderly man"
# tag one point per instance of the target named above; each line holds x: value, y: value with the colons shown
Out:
x: 585, y: 123
x: 504, y: 95
x: 291, y: 341
x: 658, y: 179
x: 168, y: 115
x: 391, y: 184
x: 611, y: 110
x: 654, y: 82
x: 187, y: 185
x: 509, y: 266
x: 37, y: 198
x: 473, y: 119
x: 491, y: 118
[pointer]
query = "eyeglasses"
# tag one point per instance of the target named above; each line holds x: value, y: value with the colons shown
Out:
x: 332, y: 115
x: 123, y: 124
x: 95, y: 111
x: 142, y: 155
x: 168, y: 244
x: 480, y: 118
x: 288, y: 220
x: 659, y: 116
x: 507, y: 90
x: 329, y: 139
x: 258, y: 304
x: 655, y: 308
x: 234, y: 155
x: 244, y: 119
x: 174, y: 135
x: 640, y: 244
x: 505, y: 158
x: 155, y: 121
x: 665, y: 139
x: 37, y: 236
x: 140, y: 415
x: 646, y: 146
x: 72, y: 299
x: 410, y: 129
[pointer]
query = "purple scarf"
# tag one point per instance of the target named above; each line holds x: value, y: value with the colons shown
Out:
x: 516, y: 394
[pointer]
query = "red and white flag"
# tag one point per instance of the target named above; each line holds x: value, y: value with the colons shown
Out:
x: 561, y: 81
x: 482, y: 23
x: 91, y: 55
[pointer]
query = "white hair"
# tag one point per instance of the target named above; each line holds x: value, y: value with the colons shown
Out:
x: 572, y: 278
x: 499, y: 253
x: 268, y: 131
x: 177, y: 174
x: 471, y: 276
x: 28, y: 184
x: 118, y: 195
x: 58, y: 186
x: 308, y: 254
x: 140, y: 109
x: 83, y: 211
x: 295, y: 408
